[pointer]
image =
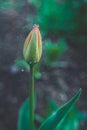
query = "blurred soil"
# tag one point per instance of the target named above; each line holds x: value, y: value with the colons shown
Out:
x: 58, y: 83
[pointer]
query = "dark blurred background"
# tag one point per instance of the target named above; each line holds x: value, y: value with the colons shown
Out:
x: 63, y: 67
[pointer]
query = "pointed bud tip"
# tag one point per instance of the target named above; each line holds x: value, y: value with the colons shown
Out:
x: 35, y: 27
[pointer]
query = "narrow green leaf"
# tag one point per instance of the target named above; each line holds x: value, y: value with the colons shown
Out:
x: 52, y: 104
x: 51, y: 107
x: 39, y: 118
x: 52, y: 122
x: 22, y: 63
x: 23, y: 121
x: 24, y: 116
x: 71, y: 121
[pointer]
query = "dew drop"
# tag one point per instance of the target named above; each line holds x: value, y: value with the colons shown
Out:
x: 22, y: 70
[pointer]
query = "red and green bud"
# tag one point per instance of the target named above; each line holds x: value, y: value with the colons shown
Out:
x: 33, y: 46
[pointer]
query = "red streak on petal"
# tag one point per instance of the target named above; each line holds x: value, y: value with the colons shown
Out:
x: 38, y: 39
x: 28, y: 39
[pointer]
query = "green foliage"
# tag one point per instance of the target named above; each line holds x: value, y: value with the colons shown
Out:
x: 5, y: 4
x: 53, y: 51
x: 55, y: 119
x: 36, y: 3
x: 23, y: 121
x: 24, y: 116
x: 67, y: 18
x: 37, y: 71
x: 51, y: 108
x: 71, y: 121
x: 23, y: 63
x: 10, y: 4
x: 59, y: 117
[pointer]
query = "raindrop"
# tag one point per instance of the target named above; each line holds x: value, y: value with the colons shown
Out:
x: 22, y: 70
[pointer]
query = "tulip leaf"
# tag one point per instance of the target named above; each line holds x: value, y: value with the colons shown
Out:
x: 52, y: 104
x: 71, y: 121
x: 39, y: 118
x: 22, y: 63
x: 55, y: 119
x: 51, y: 107
x: 24, y: 116
x: 23, y: 121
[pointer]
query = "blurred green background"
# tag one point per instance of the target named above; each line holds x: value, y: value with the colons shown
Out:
x: 63, y: 67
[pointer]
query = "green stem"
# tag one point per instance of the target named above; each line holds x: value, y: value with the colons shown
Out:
x: 31, y: 96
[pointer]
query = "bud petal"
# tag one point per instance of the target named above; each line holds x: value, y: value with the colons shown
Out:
x: 33, y: 46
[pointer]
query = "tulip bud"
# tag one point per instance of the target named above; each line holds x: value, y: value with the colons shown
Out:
x: 33, y: 46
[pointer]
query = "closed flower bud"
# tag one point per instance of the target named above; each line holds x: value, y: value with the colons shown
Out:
x: 33, y: 46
